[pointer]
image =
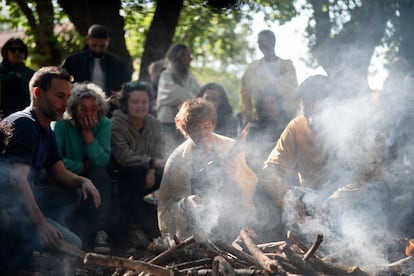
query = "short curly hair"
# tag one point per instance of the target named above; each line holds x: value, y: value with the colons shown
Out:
x: 81, y: 90
x: 192, y: 111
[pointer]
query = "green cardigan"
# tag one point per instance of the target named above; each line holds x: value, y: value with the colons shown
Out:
x: 75, y: 151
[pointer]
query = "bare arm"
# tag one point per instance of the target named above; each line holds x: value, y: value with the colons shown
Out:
x: 47, y: 234
x: 68, y: 179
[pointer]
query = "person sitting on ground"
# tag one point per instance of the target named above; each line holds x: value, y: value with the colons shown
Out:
x: 137, y: 148
x: 14, y: 77
x: 207, y: 188
x: 84, y: 140
x: 41, y: 192
x: 265, y: 131
x: 227, y: 124
x: 176, y: 85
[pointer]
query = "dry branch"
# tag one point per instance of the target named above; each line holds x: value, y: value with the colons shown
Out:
x: 262, y: 259
x: 296, y: 241
x: 166, y: 256
x: 313, y: 248
x: 271, y: 247
x: 237, y: 253
x: 222, y: 267
x: 118, y: 262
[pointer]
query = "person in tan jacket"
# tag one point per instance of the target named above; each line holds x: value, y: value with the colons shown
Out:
x: 299, y: 160
x: 269, y: 70
x: 207, y: 188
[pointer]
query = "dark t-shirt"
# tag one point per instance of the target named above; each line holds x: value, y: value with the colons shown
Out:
x: 31, y: 143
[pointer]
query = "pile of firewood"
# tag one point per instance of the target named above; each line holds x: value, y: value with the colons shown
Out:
x: 195, y: 257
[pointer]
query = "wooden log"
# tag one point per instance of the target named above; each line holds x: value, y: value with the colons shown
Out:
x: 118, y: 262
x: 296, y: 241
x: 237, y: 253
x: 262, y: 259
x: 314, y: 247
x: 221, y: 267
x: 237, y: 271
x: 397, y: 266
x: 299, y: 263
x: 166, y: 256
x: 337, y: 269
x: 272, y: 247
x: 190, y: 264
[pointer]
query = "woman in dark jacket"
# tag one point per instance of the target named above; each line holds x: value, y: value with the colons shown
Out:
x: 14, y: 77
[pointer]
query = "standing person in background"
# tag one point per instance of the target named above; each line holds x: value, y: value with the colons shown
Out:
x: 84, y: 140
x: 95, y: 64
x: 175, y: 86
x: 14, y: 77
x: 269, y: 70
x: 154, y: 70
x: 227, y: 124
x: 137, y: 148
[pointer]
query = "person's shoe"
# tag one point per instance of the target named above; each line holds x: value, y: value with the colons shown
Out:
x: 102, y: 243
x: 138, y: 238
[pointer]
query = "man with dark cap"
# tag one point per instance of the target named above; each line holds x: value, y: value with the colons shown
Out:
x: 95, y: 64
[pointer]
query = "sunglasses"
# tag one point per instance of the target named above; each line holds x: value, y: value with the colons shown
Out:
x: 16, y: 49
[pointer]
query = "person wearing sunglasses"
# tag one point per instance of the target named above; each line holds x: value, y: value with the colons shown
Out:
x: 14, y: 77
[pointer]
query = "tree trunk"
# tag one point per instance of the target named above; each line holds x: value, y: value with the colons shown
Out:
x: 347, y: 56
x: 406, y: 31
x: 47, y: 51
x: 85, y: 13
x: 160, y: 34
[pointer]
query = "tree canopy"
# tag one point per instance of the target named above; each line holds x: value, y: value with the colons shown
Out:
x: 342, y: 34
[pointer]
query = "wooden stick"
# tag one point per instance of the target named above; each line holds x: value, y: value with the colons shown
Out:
x: 314, y: 247
x: 396, y: 266
x: 271, y: 247
x: 262, y: 259
x: 336, y: 269
x: 300, y: 264
x: 118, y: 262
x: 71, y: 249
x: 237, y: 253
x: 296, y: 241
x: 201, y: 262
x: 165, y: 256
x: 237, y: 271
x: 222, y: 267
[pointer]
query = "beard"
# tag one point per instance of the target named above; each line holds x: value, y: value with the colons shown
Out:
x: 50, y: 112
x: 97, y: 55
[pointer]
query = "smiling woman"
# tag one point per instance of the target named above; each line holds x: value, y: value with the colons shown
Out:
x: 137, y: 147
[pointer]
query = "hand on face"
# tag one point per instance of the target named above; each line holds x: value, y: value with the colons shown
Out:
x: 88, y: 121
x: 86, y: 113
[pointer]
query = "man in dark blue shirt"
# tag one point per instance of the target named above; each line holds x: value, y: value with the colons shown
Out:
x: 31, y: 150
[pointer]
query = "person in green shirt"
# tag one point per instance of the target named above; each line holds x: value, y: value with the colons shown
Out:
x: 84, y: 140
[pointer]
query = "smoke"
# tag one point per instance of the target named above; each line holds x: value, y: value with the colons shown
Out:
x: 370, y: 158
